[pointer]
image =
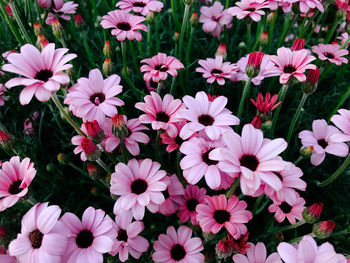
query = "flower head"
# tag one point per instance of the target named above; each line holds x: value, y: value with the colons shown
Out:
x: 257, y: 254
x: 64, y: 12
x: 250, y: 8
x: 267, y: 106
x: 3, y: 98
x: 312, y: 213
x: 331, y: 52
x: 342, y: 121
x: 323, y: 229
x: 142, y: 7
x: 298, y: 44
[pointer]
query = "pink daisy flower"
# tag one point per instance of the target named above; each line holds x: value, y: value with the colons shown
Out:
x: 142, y: 7
x: 331, y: 52
x: 15, y: 178
x: 257, y: 254
x: 173, y: 142
x: 306, y: 5
x: 42, y: 71
x: 178, y: 246
x: 219, y: 212
x: 139, y: 184
x: 251, y: 8
x: 290, y: 63
x: 42, y: 236
x: 204, y: 115
x: 342, y: 121
x: 30, y: 122
x: 162, y: 114
x: 320, y: 139
x: 94, y: 98
x: 47, y: 4
x: 64, y: 12
x: 187, y: 208
x: 124, y: 25
x: 216, y: 69
x: 214, y: 18
x: 128, y: 240
x: 159, y: 66
x: 89, y: 238
x: 3, y: 98
x: 343, y: 38
x: 84, y: 145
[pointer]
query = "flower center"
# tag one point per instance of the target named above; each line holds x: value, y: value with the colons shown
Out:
x: 205, y: 158
x: 177, y: 252
x: 84, y: 239
x: 216, y: 71
x: 322, y: 143
x: 97, y: 98
x: 250, y: 9
x: 162, y: 116
x: 161, y: 68
x: 222, y: 216
x: 122, y: 235
x: 14, y: 187
x: 35, y: 238
x: 206, y: 120
x: 328, y: 55
x: 279, y: 176
x: 191, y: 204
x: 289, y: 69
x: 43, y: 75
x: 124, y: 26
x: 178, y: 140
x: 139, y: 186
x: 285, y: 207
x: 139, y: 4
x: 249, y: 161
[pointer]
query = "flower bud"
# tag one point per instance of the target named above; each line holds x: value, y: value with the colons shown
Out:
x: 298, y: 44
x: 57, y: 29
x: 263, y: 38
x: 270, y: 17
x: 38, y: 30
x: 62, y: 158
x: 43, y: 43
x: 107, y: 67
x: 253, y: 66
x: 94, y: 131
x: 79, y: 22
x: 208, y: 236
x: 9, y: 10
x: 266, y: 125
x: 6, y: 140
x: 312, y: 214
x: 307, y: 151
x: 94, y: 171
x: 50, y: 167
x: 224, y: 249
x: 222, y: 51
x: 90, y: 149
x: 107, y: 50
x: 150, y: 17
x: 323, y: 229
x: 39, y: 39
x: 310, y: 85
x: 194, y: 19
x: 176, y: 37
x: 242, y: 45
x: 119, y: 129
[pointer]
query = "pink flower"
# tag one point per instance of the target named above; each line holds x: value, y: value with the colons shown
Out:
x: 216, y: 69
x: 257, y: 254
x: 209, y: 116
x: 142, y: 7
x: 3, y: 98
x: 125, y: 25
x: 219, y: 212
x: 252, y: 156
x: 63, y: 12
x: 89, y: 238
x: 15, y: 178
x: 267, y: 106
x: 178, y: 246
x: 28, y: 123
x: 42, y: 236
x: 251, y: 8
x: 94, y: 98
x: 306, y: 5
x: 320, y: 139
x: 84, y: 145
x: 331, y: 52
x: 128, y: 239
x: 174, y: 142
x: 290, y: 63
x: 42, y: 71
x: 140, y: 185
x: 8, y: 259
x: 47, y: 4
x: 343, y: 38
x: 342, y: 121
x: 214, y: 18
x: 159, y: 66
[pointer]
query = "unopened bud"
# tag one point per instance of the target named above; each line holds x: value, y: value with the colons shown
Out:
x: 79, y: 22
x: 94, y: 171
x: 176, y: 37
x: 310, y: 85
x: 150, y: 17
x: 222, y: 51
x: 263, y: 39
x: 38, y: 30
x: 119, y: 129
x: 307, y: 151
x: 253, y: 66
x: 43, y: 43
x: 194, y: 19
x: 298, y: 44
x: 62, y: 158
x: 224, y: 249
x: 340, y: 15
x: 107, y: 50
x: 94, y: 131
x: 312, y: 214
x: 50, y: 167
x: 323, y: 229
x: 6, y: 140
x: 242, y: 45
x: 9, y: 10
x: 107, y: 67
x: 270, y: 17
x: 57, y: 29
x: 189, y: 2
x: 39, y: 39
x: 91, y: 151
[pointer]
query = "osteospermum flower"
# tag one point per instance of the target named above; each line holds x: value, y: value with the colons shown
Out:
x: 306, y: 5
x: 320, y: 138
x: 142, y: 7
x: 331, y: 52
x: 63, y: 12
x: 94, y: 98
x: 140, y: 185
x: 47, y: 4
x: 42, y: 236
x: 159, y: 66
x: 85, y: 146
x: 124, y: 25
x: 178, y: 246
x: 89, y: 238
x: 42, y: 71
x: 209, y: 116
x: 250, y: 8
x: 216, y: 69
x: 219, y: 212
x: 256, y: 254
x: 15, y: 178
x: 342, y: 121
x: 3, y: 98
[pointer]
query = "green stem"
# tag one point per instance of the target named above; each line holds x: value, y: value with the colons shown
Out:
x: 188, y: 52
x: 313, y: 28
x: 227, y: 4
x: 174, y: 12
x: 172, y: 86
x: 299, y: 238
x: 298, y: 160
x: 270, y: 36
x: 249, y: 36
x: 284, y: 228
x: 183, y: 29
x: 38, y: 13
x: 19, y: 22
x: 94, y: 10
x: 286, y: 28
x: 124, y: 151
x: 159, y: 86
x: 87, y: 49
x: 157, y: 144
x: 246, y: 90
x: 257, y: 203
x: 296, y: 116
x: 149, y: 40
x: 338, y: 172
x: 10, y: 24
x: 302, y: 27
x: 103, y: 165
x: 281, y: 96
x: 342, y: 99
x: 331, y: 32
x: 233, y: 188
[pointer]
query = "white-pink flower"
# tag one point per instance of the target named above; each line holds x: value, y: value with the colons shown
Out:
x: 257, y: 254
x: 3, y: 98
x: 342, y: 121
x: 250, y: 8
x: 142, y: 7
x: 331, y: 52
x: 64, y: 12
x: 306, y: 5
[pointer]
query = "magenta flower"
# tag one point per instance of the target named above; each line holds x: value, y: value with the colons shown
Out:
x: 204, y: 115
x: 42, y: 236
x: 94, y: 98
x: 124, y: 25
x: 42, y: 71
x: 320, y: 138
x: 128, y: 240
x: 142, y: 7
x: 342, y: 121
x: 306, y: 5
x: 3, y: 98
x: 219, y: 212
x: 159, y: 66
x: 64, y: 12
x: 15, y: 178
x: 178, y: 246
x: 84, y: 145
x: 89, y: 238
x: 47, y: 4
x: 256, y: 254
x: 251, y: 8
x: 331, y: 52
x: 173, y: 142
x: 214, y: 18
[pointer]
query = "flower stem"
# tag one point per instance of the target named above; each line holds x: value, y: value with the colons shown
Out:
x: 10, y: 24
x: 233, y: 188
x: 342, y: 99
x: 149, y: 40
x: 299, y: 238
x: 87, y: 49
x: 284, y: 228
x: 296, y: 116
x: 286, y: 28
x: 281, y: 96
x: 298, y: 160
x: 103, y: 165
x: 19, y: 22
x: 174, y: 12
x: 183, y: 29
x: 159, y: 86
x: 270, y: 36
x: 156, y: 150
x: 246, y: 90
x: 124, y: 152
x: 188, y: 52
x: 331, y: 32
x: 257, y: 203
x: 249, y: 36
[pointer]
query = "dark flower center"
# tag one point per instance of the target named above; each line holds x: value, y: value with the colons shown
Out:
x: 222, y: 216
x: 289, y: 69
x: 35, y: 238
x: 139, y: 4
x: 328, y: 55
x: 14, y: 187
x: 285, y: 207
x: 205, y: 158
x: 279, y: 175
x: 191, y: 204
x: 216, y: 71
x: 124, y: 26
x: 84, y: 239
x: 122, y: 235
x: 249, y: 161
x: 178, y: 140
x: 206, y: 120
x: 322, y: 143
x: 251, y: 9
x: 161, y: 68
x: 177, y: 252
x: 162, y: 116
x: 166, y: 194
x: 97, y: 98
x: 139, y: 186
x: 43, y: 75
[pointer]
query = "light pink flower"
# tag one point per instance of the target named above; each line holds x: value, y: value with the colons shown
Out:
x: 63, y: 12
x: 204, y: 115
x: 178, y: 246
x: 320, y: 139
x: 257, y: 254
x: 128, y: 240
x: 94, y: 98
x: 15, y: 178
x: 142, y: 7
x: 290, y: 63
x: 89, y: 238
x: 306, y: 5
x: 140, y: 185
x: 331, y: 52
x: 342, y: 121
x: 42, y: 236
x: 3, y: 98
x: 47, y: 4
x: 29, y: 123
x: 174, y: 142
x: 219, y: 212
x: 343, y: 38
x: 159, y: 66
x: 42, y: 71
x: 251, y: 8
x: 287, y: 5
x: 124, y: 25
x: 214, y: 18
